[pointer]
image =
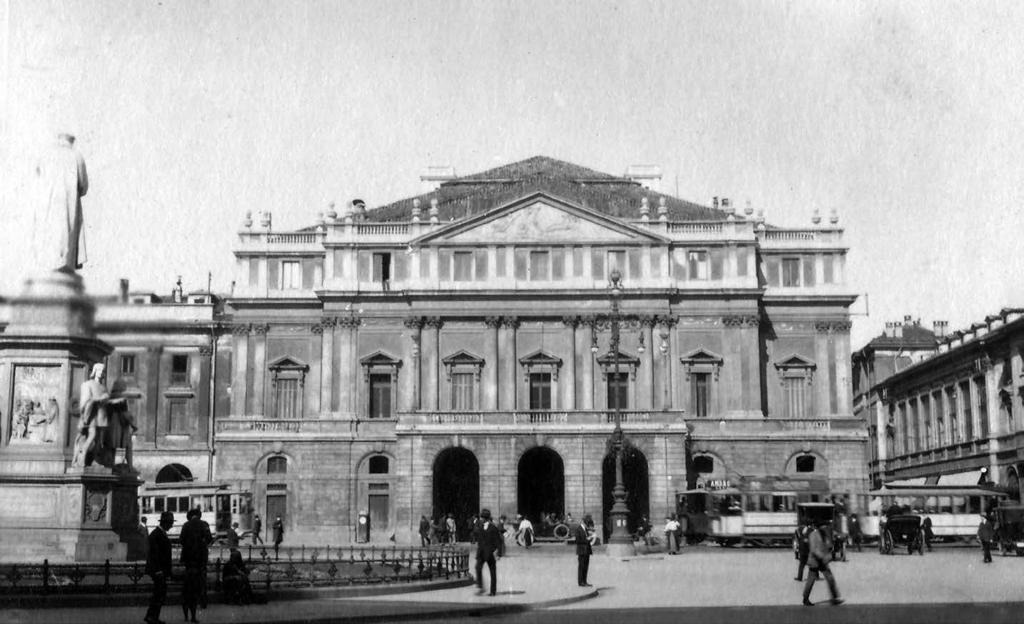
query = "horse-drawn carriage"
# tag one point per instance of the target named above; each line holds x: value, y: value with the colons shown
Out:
x: 902, y: 530
x: 1010, y: 529
x: 817, y: 514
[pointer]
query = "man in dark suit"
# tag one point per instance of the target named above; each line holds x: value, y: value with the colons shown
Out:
x: 158, y: 566
x: 488, y: 541
x: 583, y: 549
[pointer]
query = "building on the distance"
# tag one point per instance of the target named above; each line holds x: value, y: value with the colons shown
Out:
x: 945, y: 408
x: 451, y: 351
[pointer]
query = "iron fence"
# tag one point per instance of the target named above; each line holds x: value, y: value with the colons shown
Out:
x: 300, y: 566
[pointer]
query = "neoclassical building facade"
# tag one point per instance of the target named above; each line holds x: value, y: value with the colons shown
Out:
x: 452, y: 351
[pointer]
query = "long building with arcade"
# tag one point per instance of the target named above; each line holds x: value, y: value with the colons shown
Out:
x: 451, y: 351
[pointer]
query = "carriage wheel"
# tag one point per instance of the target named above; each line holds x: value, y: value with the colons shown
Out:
x: 885, y: 544
x: 561, y: 531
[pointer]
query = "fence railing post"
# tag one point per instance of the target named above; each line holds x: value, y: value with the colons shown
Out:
x: 106, y: 576
x: 46, y: 576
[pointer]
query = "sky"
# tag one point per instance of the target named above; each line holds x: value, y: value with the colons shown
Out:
x: 906, y: 118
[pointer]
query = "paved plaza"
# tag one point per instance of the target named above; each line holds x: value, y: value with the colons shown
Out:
x: 703, y: 579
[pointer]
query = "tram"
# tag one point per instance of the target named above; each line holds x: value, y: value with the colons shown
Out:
x: 759, y: 511
x: 221, y: 505
x: 954, y: 510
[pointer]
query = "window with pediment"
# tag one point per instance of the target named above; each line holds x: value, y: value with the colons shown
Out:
x: 618, y: 378
x: 702, y: 369
x: 796, y: 375
x: 540, y: 372
x: 380, y: 376
x: 288, y: 380
x: 463, y: 372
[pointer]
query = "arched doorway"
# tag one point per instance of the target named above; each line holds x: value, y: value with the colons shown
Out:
x: 541, y: 487
x: 457, y: 487
x: 173, y: 473
x: 634, y: 477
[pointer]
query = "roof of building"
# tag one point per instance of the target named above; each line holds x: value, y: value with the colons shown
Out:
x: 913, y: 337
x: 616, y: 196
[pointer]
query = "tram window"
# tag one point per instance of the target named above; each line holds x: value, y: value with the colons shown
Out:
x: 147, y: 505
x: 974, y: 504
x: 931, y: 504
x: 783, y: 503
x: 959, y: 505
x: 945, y: 504
x: 158, y: 504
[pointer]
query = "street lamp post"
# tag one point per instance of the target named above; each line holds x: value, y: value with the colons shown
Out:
x: 620, y: 543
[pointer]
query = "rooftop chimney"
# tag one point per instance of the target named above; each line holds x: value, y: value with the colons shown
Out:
x: 940, y: 328
x: 122, y: 296
x: 897, y: 330
x: 649, y: 176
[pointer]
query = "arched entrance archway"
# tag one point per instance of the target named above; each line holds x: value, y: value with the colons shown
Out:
x: 541, y: 487
x: 173, y: 473
x: 457, y: 487
x: 634, y: 477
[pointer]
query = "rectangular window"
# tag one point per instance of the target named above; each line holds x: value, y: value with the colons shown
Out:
x: 557, y: 264
x: 540, y: 391
x: 772, y: 266
x: 618, y: 390
x: 979, y: 389
x: 794, y: 396
x: 965, y: 401
x: 926, y: 414
x: 382, y: 270
x: 540, y: 266
x: 808, y: 270
x: 254, y: 272
x: 699, y: 394
x: 577, y: 262
x: 741, y: 261
x: 425, y: 263
x: 617, y: 260
x: 954, y: 420
x: 915, y: 425
x: 177, y: 413
x: 380, y: 395
x: 463, y: 266
x: 904, y: 429
x: 463, y: 392
x: 522, y: 263
x: 597, y: 265
x: 828, y: 266
x: 499, y: 262
x: 287, y: 398
x: 697, y: 264
x: 128, y: 365
x: 791, y: 271
x: 717, y: 260
x: 480, y: 256
x: 291, y: 275
x: 179, y: 370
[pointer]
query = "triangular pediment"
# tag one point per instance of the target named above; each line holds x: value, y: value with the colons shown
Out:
x: 380, y: 358
x: 540, y: 358
x: 462, y: 357
x: 795, y: 361
x: 702, y: 356
x: 608, y: 359
x: 542, y: 219
x: 288, y: 363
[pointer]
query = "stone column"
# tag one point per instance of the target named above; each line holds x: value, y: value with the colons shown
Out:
x: 665, y: 324
x: 510, y: 369
x: 993, y: 373
x: 645, y: 376
x: 259, y: 366
x: 844, y: 376
x: 431, y: 342
x: 203, y: 393
x: 587, y: 391
x: 415, y: 326
x: 326, y: 331
x: 346, y: 383
x: 492, y: 353
x: 571, y: 322
x: 820, y: 389
x: 239, y: 365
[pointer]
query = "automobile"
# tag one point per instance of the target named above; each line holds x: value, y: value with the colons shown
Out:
x: 1010, y: 529
x: 902, y: 530
x: 816, y: 514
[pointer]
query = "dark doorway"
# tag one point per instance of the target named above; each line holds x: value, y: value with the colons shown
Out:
x: 634, y: 477
x: 457, y: 488
x: 541, y: 484
x: 173, y: 473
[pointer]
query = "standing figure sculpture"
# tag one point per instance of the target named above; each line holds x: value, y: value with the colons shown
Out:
x: 59, y: 226
x: 92, y: 429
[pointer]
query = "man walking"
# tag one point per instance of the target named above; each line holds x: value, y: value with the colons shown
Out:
x: 424, y: 531
x: 803, y: 549
x: 583, y: 550
x: 257, y: 528
x: 158, y: 566
x: 488, y: 540
x: 195, y: 555
x: 820, y: 546
x: 985, y: 535
x: 278, y: 529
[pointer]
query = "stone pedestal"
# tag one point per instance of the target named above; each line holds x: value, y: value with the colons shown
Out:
x: 49, y: 509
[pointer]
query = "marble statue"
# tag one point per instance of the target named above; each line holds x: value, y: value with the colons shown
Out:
x: 59, y: 224
x: 94, y: 402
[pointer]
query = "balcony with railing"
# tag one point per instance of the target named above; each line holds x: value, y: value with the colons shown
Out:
x: 778, y: 427
x: 531, y: 419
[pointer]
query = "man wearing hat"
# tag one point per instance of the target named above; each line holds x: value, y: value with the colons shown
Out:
x: 158, y: 566
x: 820, y: 547
x: 985, y: 535
x: 488, y: 541
x: 583, y: 549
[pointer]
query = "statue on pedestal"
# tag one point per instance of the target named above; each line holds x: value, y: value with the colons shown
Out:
x: 94, y: 402
x: 59, y: 235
